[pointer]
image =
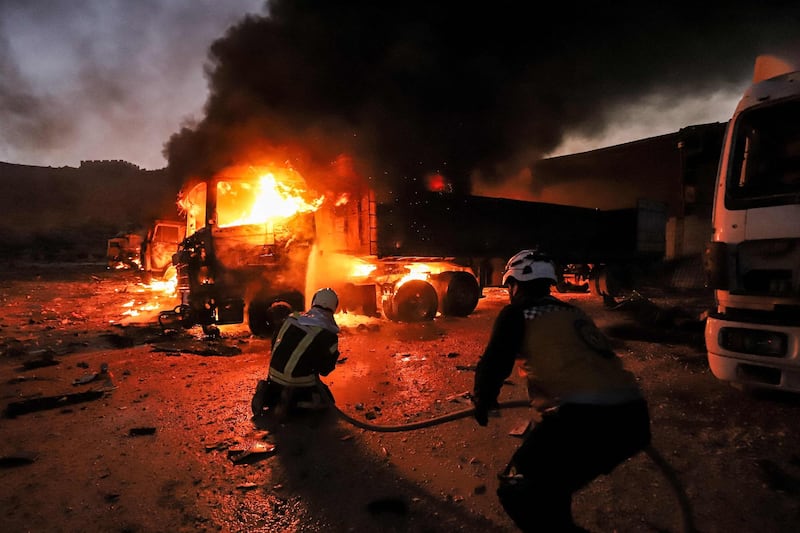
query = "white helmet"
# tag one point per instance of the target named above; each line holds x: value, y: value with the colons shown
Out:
x: 528, y: 265
x: 325, y: 298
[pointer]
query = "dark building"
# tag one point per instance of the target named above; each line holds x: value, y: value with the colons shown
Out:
x: 678, y: 169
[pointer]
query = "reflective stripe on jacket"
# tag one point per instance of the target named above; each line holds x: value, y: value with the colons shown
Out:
x: 305, y: 347
x: 566, y: 359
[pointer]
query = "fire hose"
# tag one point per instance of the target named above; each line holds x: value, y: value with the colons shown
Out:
x: 687, y: 521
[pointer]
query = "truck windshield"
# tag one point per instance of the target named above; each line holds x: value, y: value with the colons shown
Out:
x: 765, y: 162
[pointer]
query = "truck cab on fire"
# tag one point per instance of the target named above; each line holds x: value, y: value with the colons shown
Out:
x: 158, y: 247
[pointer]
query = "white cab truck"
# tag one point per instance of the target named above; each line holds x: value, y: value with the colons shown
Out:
x: 753, y: 260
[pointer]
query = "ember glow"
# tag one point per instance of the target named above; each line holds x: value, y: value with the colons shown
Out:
x: 151, y: 299
x: 420, y: 271
x: 424, y: 271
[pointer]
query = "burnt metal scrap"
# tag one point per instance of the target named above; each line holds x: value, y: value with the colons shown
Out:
x: 139, y: 431
x: 646, y: 312
x: 654, y: 323
x: 18, y: 459
x: 254, y: 452
x: 207, y: 348
x: 43, y: 403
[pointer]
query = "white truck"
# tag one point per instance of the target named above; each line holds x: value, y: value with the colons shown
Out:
x: 753, y: 260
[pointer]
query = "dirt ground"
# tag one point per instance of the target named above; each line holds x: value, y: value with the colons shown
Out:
x: 160, y: 443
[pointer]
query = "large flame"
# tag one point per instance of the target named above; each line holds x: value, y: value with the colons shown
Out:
x: 273, y: 195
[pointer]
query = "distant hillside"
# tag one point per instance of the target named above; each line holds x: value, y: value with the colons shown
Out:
x: 69, y: 213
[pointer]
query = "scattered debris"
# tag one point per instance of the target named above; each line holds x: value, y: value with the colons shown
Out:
x: 23, y: 379
x: 646, y: 312
x: 145, y: 430
x: 521, y: 429
x: 198, y: 348
x: 18, y: 459
x: 388, y: 505
x: 119, y: 341
x: 255, y: 452
x: 84, y: 379
x: 45, y: 360
x: 219, y: 446
x: 43, y: 403
x: 460, y: 397
x: 103, y: 375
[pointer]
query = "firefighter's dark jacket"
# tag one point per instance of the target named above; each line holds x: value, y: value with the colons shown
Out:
x: 564, y: 357
x: 307, y: 345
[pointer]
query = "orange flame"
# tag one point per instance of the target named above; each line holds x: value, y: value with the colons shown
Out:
x: 152, y: 297
x: 419, y: 271
x: 271, y: 196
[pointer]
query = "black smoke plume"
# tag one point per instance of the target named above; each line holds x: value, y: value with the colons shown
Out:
x: 394, y: 91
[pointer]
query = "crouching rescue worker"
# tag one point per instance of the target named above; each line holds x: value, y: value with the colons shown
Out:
x: 305, y: 347
x: 593, y: 414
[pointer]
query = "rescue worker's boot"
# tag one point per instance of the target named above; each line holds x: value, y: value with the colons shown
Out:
x: 259, y: 401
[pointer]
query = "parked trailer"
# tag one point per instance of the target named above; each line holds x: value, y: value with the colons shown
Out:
x: 608, y: 248
x: 407, y: 259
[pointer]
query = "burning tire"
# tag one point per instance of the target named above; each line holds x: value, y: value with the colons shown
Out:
x: 459, y: 293
x: 414, y: 301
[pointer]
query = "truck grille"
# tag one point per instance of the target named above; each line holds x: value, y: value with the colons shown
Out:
x: 768, y: 267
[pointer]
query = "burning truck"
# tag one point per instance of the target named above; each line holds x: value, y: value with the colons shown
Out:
x: 257, y: 237
x: 258, y: 240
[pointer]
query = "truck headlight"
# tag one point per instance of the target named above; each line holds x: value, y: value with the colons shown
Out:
x: 753, y: 341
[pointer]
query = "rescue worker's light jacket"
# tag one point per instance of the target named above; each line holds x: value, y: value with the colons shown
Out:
x: 307, y: 345
x: 564, y: 357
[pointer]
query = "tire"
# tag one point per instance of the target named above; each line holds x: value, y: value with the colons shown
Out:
x: 358, y: 298
x: 257, y: 317
x: 415, y: 301
x: 387, y: 306
x: 459, y: 293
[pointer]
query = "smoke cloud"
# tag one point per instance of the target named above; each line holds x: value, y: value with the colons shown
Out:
x: 403, y: 90
x: 103, y: 79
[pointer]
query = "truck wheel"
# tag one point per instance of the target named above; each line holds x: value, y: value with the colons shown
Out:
x: 415, y: 301
x: 257, y: 317
x: 358, y: 298
x: 387, y: 306
x: 459, y: 293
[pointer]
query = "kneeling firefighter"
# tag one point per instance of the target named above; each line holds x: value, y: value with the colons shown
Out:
x: 592, y: 415
x: 305, y: 347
